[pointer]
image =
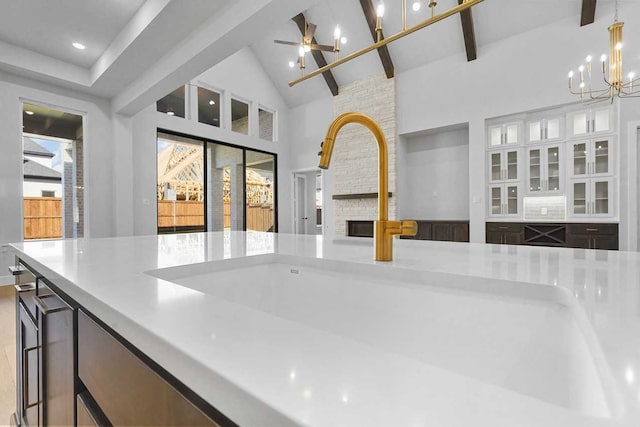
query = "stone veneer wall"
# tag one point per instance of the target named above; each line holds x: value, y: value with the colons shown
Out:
x: 355, y: 155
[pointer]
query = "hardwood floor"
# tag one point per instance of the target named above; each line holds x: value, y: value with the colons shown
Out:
x: 7, y: 354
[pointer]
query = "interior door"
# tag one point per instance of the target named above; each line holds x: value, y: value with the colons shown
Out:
x: 300, y: 204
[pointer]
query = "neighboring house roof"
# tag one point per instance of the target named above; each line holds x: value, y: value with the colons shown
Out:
x: 35, y: 170
x: 32, y: 148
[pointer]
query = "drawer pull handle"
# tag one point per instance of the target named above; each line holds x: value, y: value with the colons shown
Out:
x: 26, y: 287
x: 43, y: 308
x: 25, y: 364
x: 592, y: 229
x: 503, y: 228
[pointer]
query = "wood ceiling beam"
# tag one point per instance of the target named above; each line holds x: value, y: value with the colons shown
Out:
x: 385, y: 57
x: 468, y: 32
x: 300, y: 21
x: 588, y: 12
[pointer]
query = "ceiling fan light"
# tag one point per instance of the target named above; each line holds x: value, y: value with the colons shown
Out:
x: 416, y: 6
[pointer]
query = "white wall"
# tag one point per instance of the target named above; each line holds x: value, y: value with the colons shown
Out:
x: 434, y: 174
x: 308, y: 125
x: 240, y: 75
x: 34, y: 188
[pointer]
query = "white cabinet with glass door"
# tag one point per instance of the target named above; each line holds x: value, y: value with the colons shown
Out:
x: 504, y: 165
x: 590, y: 122
x: 591, y: 198
x: 544, y: 169
x: 504, y: 200
x: 504, y: 134
x: 544, y: 129
x: 592, y: 158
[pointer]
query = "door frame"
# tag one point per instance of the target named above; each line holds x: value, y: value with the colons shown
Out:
x: 295, y: 172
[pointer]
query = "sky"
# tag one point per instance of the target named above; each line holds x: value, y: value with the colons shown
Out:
x: 52, y: 146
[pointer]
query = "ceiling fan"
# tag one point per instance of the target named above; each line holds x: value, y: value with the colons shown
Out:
x: 307, y: 38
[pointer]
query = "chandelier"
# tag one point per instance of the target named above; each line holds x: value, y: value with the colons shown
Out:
x: 590, y: 88
x: 307, y: 45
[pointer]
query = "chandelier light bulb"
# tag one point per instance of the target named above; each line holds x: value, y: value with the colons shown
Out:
x: 301, y: 52
x: 581, y: 68
x: 589, y: 58
x: 416, y: 6
x: 571, y: 74
x: 619, y: 46
x: 337, y: 33
x: 581, y: 85
x: 631, y: 75
x: 380, y: 10
x: 603, y: 58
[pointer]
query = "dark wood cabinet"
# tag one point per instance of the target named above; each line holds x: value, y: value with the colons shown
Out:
x: 593, y: 236
x: 444, y: 231
x: 504, y: 233
x: 127, y: 391
x: 56, y: 353
x: 571, y: 235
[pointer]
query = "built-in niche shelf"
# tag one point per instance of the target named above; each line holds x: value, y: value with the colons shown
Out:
x: 357, y: 196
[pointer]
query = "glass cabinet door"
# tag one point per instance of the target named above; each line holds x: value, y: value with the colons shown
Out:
x: 601, y: 158
x: 600, y: 203
x: 496, y: 166
x: 579, y: 198
x: 511, y: 133
x: 512, y: 165
x: 495, y: 135
x: 579, y: 159
x: 578, y: 122
x: 553, y: 169
x: 535, y: 131
x: 601, y: 120
x: 496, y: 200
x: 535, y: 170
x: 512, y: 200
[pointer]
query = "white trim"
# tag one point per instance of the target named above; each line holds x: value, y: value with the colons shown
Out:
x: 633, y: 138
x: 324, y: 194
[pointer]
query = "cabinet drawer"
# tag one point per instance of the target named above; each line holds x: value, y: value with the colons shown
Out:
x: 610, y: 229
x: 510, y: 227
x: 127, y: 390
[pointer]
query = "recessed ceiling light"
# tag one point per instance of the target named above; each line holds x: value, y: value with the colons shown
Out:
x: 78, y: 46
x: 343, y: 40
x: 29, y: 113
x: 416, y: 6
x: 212, y: 102
x: 170, y: 113
x: 292, y: 64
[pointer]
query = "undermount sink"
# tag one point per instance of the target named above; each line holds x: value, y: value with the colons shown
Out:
x: 526, y: 338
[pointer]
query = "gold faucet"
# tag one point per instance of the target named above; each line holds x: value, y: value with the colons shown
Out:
x: 384, y: 230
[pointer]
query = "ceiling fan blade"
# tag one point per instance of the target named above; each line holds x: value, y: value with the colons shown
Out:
x: 323, y: 47
x: 287, y: 43
x: 311, y: 30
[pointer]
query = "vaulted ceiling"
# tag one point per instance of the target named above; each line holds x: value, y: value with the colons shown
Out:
x: 140, y: 50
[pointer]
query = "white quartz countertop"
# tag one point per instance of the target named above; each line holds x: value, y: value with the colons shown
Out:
x: 262, y: 370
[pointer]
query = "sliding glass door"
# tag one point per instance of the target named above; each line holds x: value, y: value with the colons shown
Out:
x: 212, y: 186
x: 180, y: 187
x: 260, y: 178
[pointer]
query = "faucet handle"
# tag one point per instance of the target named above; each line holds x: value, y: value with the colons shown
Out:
x: 321, y: 144
x: 409, y: 228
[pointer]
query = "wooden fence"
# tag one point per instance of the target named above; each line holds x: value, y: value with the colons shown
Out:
x: 191, y: 214
x: 42, y: 218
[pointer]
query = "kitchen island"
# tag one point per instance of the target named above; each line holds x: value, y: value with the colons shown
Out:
x: 283, y: 330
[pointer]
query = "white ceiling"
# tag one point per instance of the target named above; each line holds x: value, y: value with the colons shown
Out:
x: 49, y: 27
x: 140, y: 50
x: 493, y: 20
